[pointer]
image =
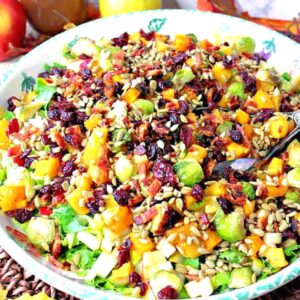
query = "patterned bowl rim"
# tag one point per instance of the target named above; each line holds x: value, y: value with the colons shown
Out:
x: 55, y: 278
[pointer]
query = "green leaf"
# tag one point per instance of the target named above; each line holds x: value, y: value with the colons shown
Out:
x: 248, y: 189
x: 292, y: 252
x: 225, y: 127
x: 193, y: 262
x: 237, y: 89
x: 27, y: 83
x: 286, y: 76
x: 221, y: 280
x: 232, y: 256
x: 67, y: 220
x: 183, y: 294
x: 47, y: 67
x: 193, y: 37
x: 59, y: 66
x: 292, y: 195
x: 44, y: 91
x: 156, y: 24
x: 8, y: 115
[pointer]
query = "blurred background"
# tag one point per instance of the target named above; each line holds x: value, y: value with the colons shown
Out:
x: 27, y: 23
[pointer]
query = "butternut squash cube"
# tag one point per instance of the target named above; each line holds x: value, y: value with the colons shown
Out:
x: 4, y: 141
x: 221, y: 74
x: 276, y: 257
x: 197, y: 152
x: 236, y: 150
x: 76, y: 200
x: 242, y: 117
x: 263, y: 99
x: 140, y: 244
x: 275, y: 167
x: 12, y: 197
x: 168, y: 94
x: 182, y: 42
x: 215, y: 189
x: 49, y: 166
x: 131, y: 95
x: 279, y: 126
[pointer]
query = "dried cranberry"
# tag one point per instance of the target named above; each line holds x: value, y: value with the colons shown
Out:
x: 175, y: 119
x: 19, y: 161
x: 44, y: 75
x: 152, y: 150
x: 28, y: 162
x: 216, y: 97
x: 140, y: 150
x: 23, y: 215
x: 143, y: 288
x: 134, y: 278
x: 229, y: 61
x: 124, y: 253
x: 73, y: 139
x: 13, y: 126
x: 288, y: 234
x: 68, y: 168
x: 167, y: 292
x: 46, y: 190
x: 81, y: 117
x: 171, y: 217
x: 121, y: 196
x: 93, y: 207
x: 163, y: 171
x: 10, y: 103
x: 54, y: 113
x: 145, y: 89
x: 226, y: 205
x: 250, y: 82
x: 46, y: 139
x: 163, y: 84
x: 67, y: 116
x: 294, y: 225
x: 147, y: 35
x: 236, y: 136
x: 122, y: 40
x: 25, y: 153
x: 264, y: 115
x: 179, y: 59
x: 184, y: 107
x: 86, y: 73
x: 197, y: 192
x: 57, y: 72
x: 186, y: 135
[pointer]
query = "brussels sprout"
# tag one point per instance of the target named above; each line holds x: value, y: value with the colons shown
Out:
x: 189, y: 171
x: 245, y: 44
x: 293, y: 178
x: 123, y: 168
x: 145, y: 106
x: 224, y: 127
x: 240, y: 278
x: 41, y: 231
x: 220, y: 279
x: 120, y: 137
x: 183, y: 76
x: 248, y: 189
x: 230, y: 227
x: 293, y: 150
x: 293, y: 195
x: 237, y: 89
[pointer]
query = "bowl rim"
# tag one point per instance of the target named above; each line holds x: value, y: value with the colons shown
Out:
x: 49, y: 275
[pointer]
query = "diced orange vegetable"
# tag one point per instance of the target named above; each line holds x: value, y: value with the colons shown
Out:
x: 212, y: 241
x: 221, y: 74
x: 197, y: 152
x: 237, y: 151
x: 254, y: 243
x: 131, y: 95
x: 92, y: 122
x: 12, y: 197
x: 215, y: 189
x: 263, y: 100
x: 279, y: 126
x: 160, y: 37
x: 297, y: 217
x: 134, y: 36
x: 76, y: 200
x: 4, y: 141
x: 83, y: 182
x: 189, y: 201
x: 141, y: 244
x: 184, y: 229
x: 249, y: 131
x: 248, y: 208
x: 192, y: 118
x: 182, y: 42
x: 49, y: 166
x: 98, y: 174
x: 224, y: 101
x: 226, y: 50
x: 291, y: 125
x: 276, y: 191
x: 275, y: 167
x: 117, y: 78
x: 168, y: 94
x: 276, y: 257
x: 189, y: 251
x: 121, y: 220
x: 277, y: 101
x: 266, y: 86
x: 161, y: 46
x: 242, y: 117
x: 190, y: 62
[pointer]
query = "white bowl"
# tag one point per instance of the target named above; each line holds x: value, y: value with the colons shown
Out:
x: 285, y: 55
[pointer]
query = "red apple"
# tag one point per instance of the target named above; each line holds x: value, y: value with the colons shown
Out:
x: 12, y: 27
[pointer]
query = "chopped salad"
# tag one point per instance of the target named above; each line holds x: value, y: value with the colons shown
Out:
x: 107, y: 159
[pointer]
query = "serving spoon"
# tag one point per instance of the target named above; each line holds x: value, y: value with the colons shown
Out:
x: 245, y: 164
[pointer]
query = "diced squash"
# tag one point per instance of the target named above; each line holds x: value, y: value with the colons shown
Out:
x: 224, y: 101
x: 297, y: 217
x: 184, y: 229
x: 227, y: 50
x: 197, y: 152
x: 140, y: 244
x: 212, y: 240
x: 12, y: 197
x: 83, y: 182
x: 190, y: 62
x: 215, y: 189
x: 117, y: 78
x: 249, y: 131
x: 236, y: 150
x: 189, y: 201
x: 266, y: 86
x: 279, y: 126
x: 254, y: 242
x: 276, y: 191
x: 131, y: 95
x: 276, y: 257
x: 168, y: 94
x: 182, y: 42
x: 189, y: 251
x: 221, y: 74
x: 95, y: 148
x: 120, y: 221
x: 98, y: 174
x: 160, y: 37
x: 120, y: 277
x: 249, y: 208
x: 275, y: 167
x: 134, y: 36
x: 277, y: 101
x: 263, y: 100
x: 76, y: 200
x: 242, y: 117
x: 4, y: 141
x: 49, y: 166
x: 92, y: 122
x: 161, y: 46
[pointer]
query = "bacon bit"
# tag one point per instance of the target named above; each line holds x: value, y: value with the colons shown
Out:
x: 118, y: 58
x: 142, y: 171
x: 192, y: 277
x: 108, y: 79
x: 154, y: 72
x: 172, y: 106
x: 161, y: 129
x: 73, y: 129
x: 154, y: 187
x: 60, y: 140
x: 57, y: 200
x: 14, y: 150
x: 208, y: 168
x: 204, y: 219
x: 56, y: 245
x: 198, y: 60
x: 261, y: 190
x: 45, y: 211
x: 237, y: 197
x: 142, y: 131
x: 137, y: 52
x: 109, y: 91
x: 146, y: 216
x: 250, y: 105
x: 247, y: 143
x: 56, y: 263
x: 135, y: 200
x: 234, y: 103
x: 262, y: 222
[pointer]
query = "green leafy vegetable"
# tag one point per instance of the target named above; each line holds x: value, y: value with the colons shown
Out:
x: 67, y: 220
x: 248, y: 189
x: 286, y: 76
x: 193, y: 37
x: 267, y: 270
x: 183, y: 294
x: 225, y: 127
x: 8, y: 115
x: 237, y: 89
x: 220, y: 281
x: 44, y: 91
x: 105, y: 284
x: 293, y: 195
x: 292, y: 252
x: 232, y: 256
x: 193, y: 262
x: 183, y: 76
